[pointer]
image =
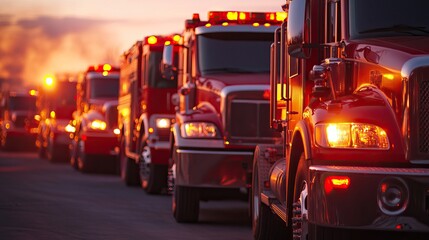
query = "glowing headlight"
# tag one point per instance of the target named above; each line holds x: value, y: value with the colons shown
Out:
x: 351, y: 135
x: 98, y: 125
x: 69, y: 128
x: 199, y: 130
x: 162, y: 123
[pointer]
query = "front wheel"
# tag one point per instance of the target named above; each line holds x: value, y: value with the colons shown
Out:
x: 84, y: 162
x: 186, y: 204
x: 129, y: 168
x: 73, y: 154
x: 265, y: 224
x: 153, y: 177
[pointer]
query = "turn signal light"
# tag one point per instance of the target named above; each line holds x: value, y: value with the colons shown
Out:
x: 336, y: 182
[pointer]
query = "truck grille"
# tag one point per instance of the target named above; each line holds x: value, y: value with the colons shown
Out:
x: 20, y: 121
x: 424, y: 116
x: 112, y: 117
x: 419, y: 115
x: 247, y: 118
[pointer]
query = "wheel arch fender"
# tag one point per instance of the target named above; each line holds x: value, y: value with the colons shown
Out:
x: 142, y: 126
x: 300, y: 142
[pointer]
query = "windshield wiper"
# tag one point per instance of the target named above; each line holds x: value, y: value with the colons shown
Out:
x: 397, y: 28
x: 227, y: 70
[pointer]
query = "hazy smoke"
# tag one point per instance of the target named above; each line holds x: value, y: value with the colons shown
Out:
x: 32, y: 48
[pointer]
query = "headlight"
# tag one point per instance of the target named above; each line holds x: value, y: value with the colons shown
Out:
x: 199, y: 130
x: 69, y: 128
x: 163, y: 123
x: 98, y: 125
x: 351, y: 135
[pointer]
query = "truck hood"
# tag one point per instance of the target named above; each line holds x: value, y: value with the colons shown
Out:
x: 390, y: 52
x: 219, y: 81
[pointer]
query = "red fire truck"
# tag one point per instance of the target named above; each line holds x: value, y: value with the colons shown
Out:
x: 56, y: 102
x: 96, y: 119
x: 145, y: 114
x: 349, y: 92
x: 223, y: 91
x: 18, y: 128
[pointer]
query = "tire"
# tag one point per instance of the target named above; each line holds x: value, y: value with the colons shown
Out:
x: 73, y: 155
x: 52, y: 153
x: 84, y: 162
x: 41, y: 151
x: 265, y: 224
x: 299, y: 210
x: 129, y: 169
x: 185, y: 204
x: 302, y: 229
x: 153, y: 177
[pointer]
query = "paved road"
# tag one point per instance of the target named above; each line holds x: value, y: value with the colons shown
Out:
x: 41, y: 200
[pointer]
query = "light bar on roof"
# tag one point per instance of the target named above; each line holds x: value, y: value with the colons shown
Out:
x: 220, y: 17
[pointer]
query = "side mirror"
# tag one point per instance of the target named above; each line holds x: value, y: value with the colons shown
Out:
x: 168, y: 68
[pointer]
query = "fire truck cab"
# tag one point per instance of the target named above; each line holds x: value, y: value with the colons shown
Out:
x: 349, y: 92
x: 223, y: 92
x: 56, y: 102
x: 95, y: 120
x: 18, y: 127
x: 145, y: 113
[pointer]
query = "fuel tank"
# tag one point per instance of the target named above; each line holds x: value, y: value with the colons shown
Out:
x: 278, y: 180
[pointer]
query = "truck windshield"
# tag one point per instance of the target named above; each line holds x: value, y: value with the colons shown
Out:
x: 63, y: 100
x: 22, y: 103
x: 234, y: 52
x: 107, y: 87
x: 372, y: 18
x: 154, y: 74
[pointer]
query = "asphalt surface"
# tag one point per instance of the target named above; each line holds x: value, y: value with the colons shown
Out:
x: 42, y: 200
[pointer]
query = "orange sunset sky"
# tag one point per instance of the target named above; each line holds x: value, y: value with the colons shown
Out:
x: 40, y: 37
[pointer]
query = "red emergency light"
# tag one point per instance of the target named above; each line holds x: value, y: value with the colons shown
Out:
x: 161, y: 40
x: 102, y: 68
x: 221, y: 17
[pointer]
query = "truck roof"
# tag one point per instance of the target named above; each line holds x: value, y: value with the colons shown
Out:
x: 235, y: 28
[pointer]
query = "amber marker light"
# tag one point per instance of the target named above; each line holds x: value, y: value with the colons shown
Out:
x: 152, y: 40
x: 176, y: 38
x: 389, y: 76
x: 150, y: 130
x: 336, y: 182
x: 107, y: 67
x: 232, y: 16
x: 32, y: 92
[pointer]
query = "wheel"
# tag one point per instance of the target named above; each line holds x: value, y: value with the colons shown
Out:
x: 299, y: 208
x: 5, y: 142
x: 73, y: 154
x: 265, y: 224
x: 129, y: 169
x: 153, y: 177
x: 84, y: 162
x: 41, y: 152
x: 185, y: 204
x: 52, y: 153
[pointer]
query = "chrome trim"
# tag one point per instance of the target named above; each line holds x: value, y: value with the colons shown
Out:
x: 373, y: 170
x: 160, y: 145
x: 412, y: 64
x: 196, y: 143
x: 215, y: 152
x: 237, y: 88
x: 235, y: 28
